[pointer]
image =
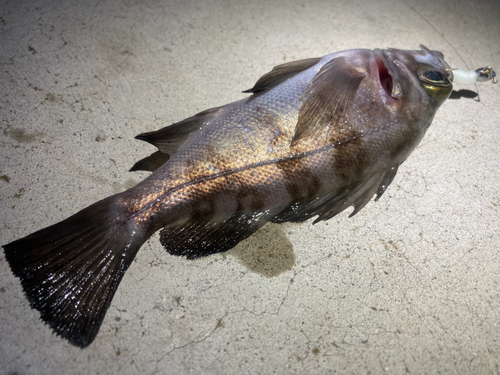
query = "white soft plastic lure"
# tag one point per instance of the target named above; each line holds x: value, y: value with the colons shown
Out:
x: 468, y: 77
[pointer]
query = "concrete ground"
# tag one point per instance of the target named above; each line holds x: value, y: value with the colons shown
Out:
x: 410, y: 284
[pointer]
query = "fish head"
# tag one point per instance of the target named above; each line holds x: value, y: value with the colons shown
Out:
x: 414, y: 80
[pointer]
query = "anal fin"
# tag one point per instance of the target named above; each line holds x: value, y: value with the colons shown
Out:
x: 201, y: 236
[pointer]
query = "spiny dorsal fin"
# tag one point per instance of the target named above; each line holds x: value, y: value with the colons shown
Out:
x: 170, y: 138
x: 281, y: 73
x: 329, y: 99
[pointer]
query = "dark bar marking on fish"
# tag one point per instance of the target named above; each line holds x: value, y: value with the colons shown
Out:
x: 209, y: 229
x: 302, y: 184
x: 238, y: 170
x: 328, y: 100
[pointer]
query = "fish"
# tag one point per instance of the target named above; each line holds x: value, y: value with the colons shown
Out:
x: 314, y: 137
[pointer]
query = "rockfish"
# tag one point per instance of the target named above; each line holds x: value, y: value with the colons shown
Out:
x: 315, y: 137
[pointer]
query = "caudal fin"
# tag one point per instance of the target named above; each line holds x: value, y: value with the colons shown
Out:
x: 70, y: 271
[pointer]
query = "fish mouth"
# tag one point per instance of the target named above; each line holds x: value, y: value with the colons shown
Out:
x: 385, y: 80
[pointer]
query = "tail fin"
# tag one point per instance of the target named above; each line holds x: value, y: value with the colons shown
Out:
x: 70, y: 271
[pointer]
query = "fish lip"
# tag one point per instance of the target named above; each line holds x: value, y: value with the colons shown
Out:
x: 386, y: 80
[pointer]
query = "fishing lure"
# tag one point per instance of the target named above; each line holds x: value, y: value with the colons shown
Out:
x: 468, y: 77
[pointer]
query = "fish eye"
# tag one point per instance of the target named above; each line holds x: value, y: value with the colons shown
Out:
x: 432, y: 76
x: 436, y: 84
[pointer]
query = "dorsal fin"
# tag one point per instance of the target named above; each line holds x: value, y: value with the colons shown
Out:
x: 328, y: 99
x: 281, y: 73
x: 170, y: 138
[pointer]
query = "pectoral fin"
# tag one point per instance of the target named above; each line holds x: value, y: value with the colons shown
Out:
x: 281, y: 73
x: 328, y: 100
